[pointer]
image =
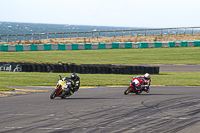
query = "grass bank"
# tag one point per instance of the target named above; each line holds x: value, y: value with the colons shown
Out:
x: 139, y: 38
x: 50, y: 79
x: 179, y: 55
x: 2, y: 88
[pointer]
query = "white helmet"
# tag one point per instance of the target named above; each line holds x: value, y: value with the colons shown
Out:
x: 136, y: 81
x: 147, y: 75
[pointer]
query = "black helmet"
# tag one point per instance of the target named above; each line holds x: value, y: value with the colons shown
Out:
x: 73, y: 76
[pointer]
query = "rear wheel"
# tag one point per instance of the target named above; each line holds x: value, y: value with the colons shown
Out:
x: 53, y: 94
x: 126, y: 92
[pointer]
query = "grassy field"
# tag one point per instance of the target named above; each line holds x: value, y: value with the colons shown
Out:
x: 184, y: 55
x: 50, y: 79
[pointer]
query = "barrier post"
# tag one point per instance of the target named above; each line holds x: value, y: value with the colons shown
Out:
x: 63, y: 36
x: 92, y: 34
x: 39, y: 36
x: 47, y: 35
x: 0, y: 38
x: 176, y: 31
x: 184, y: 31
x: 153, y: 32
x: 122, y: 33
x: 24, y: 37
x: 55, y: 36
x: 15, y: 37
x: 145, y: 32
x: 7, y: 38
x: 99, y: 34
x: 129, y: 32
x: 137, y: 32
x: 169, y: 31
x: 106, y: 33
x: 114, y: 33
x: 192, y: 30
x: 77, y: 34
x: 161, y: 32
x: 70, y: 35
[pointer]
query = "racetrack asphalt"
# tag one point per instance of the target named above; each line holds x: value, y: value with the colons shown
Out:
x: 166, y: 109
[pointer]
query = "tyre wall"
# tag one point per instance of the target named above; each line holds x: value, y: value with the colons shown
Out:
x: 83, y: 68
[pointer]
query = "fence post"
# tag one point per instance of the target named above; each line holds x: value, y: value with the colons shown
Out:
x: 70, y: 36
x: 145, y: 32
x: 99, y: 34
x: 92, y: 34
x: 137, y: 32
x: 192, y: 30
x: 129, y: 32
x: 122, y: 34
x: 47, y: 35
x: 184, y: 31
x: 0, y: 38
x: 39, y: 36
x: 169, y: 31
x: 15, y: 37
x: 161, y: 32
x: 176, y: 31
x: 84, y: 34
x: 114, y: 33
x: 63, y: 35
x: 7, y: 38
x: 77, y: 34
x: 153, y: 32
x: 55, y: 36
x: 24, y: 37
x: 106, y: 34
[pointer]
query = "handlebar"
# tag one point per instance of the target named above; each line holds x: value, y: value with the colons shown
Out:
x: 60, y: 77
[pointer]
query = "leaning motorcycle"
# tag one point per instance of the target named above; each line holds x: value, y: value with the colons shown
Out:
x: 62, y: 89
x: 137, y: 90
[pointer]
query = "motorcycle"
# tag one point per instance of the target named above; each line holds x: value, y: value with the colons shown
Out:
x: 141, y: 86
x: 62, y: 89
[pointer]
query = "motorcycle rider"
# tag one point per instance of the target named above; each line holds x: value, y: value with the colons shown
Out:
x: 75, y: 81
x: 147, y: 80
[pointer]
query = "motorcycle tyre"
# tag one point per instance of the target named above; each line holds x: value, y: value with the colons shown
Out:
x: 53, y: 94
x: 127, y: 91
x: 137, y: 93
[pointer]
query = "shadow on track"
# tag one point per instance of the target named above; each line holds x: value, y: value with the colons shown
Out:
x: 84, y: 98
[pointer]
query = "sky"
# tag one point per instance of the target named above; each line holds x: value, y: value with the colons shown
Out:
x: 123, y: 13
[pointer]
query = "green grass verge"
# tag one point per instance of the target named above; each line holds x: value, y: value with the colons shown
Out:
x: 2, y: 88
x: 50, y: 79
x: 179, y: 55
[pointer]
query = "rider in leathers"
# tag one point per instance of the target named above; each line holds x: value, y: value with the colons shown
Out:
x: 147, y: 80
x: 75, y: 81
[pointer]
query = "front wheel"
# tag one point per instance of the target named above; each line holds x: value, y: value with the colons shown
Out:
x: 127, y: 91
x: 53, y: 94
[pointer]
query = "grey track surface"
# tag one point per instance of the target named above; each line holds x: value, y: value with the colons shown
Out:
x: 179, y: 68
x: 103, y: 109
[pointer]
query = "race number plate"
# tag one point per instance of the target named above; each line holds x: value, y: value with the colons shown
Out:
x: 63, y: 83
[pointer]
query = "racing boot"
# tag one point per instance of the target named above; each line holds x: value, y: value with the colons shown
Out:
x: 147, y: 89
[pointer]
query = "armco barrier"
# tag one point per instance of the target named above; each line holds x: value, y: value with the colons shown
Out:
x: 88, y: 46
x: 83, y: 68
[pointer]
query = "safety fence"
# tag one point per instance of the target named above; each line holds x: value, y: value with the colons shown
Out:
x: 83, y: 68
x: 87, y: 46
x: 98, y: 34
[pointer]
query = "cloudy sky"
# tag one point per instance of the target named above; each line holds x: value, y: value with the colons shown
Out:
x: 126, y: 13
